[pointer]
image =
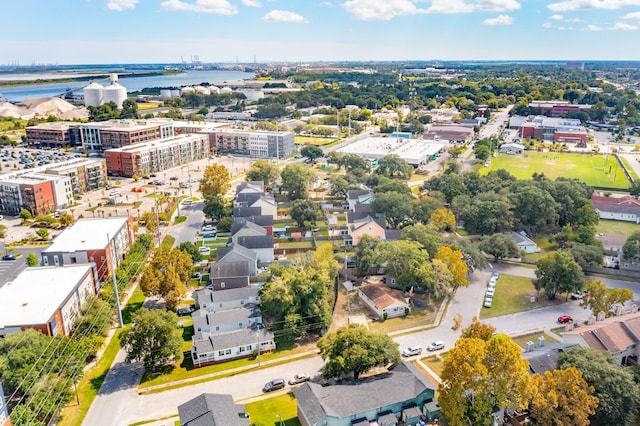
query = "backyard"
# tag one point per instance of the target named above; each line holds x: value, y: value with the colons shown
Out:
x: 592, y: 169
x: 616, y: 228
x: 276, y: 411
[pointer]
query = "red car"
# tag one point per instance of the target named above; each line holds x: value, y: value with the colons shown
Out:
x: 563, y: 319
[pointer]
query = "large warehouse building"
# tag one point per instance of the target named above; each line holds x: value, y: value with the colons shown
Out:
x: 413, y: 151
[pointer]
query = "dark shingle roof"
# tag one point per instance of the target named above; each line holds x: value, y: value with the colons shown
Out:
x: 545, y: 358
x: 354, y: 194
x: 247, y: 224
x: 256, y: 242
x: 254, y: 184
x: 242, y: 251
x: 246, y: 211
x: 228, y: 269
x: 211, y: 409
x: 261, y: 220
x: 202, y: 318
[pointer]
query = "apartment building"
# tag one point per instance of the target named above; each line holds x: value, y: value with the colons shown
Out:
x: 37, y: 192
x: 86, y: 174
x: 156, y: 156
x: 119, y: 133
x: 58, y: 134
x: 256, y: 144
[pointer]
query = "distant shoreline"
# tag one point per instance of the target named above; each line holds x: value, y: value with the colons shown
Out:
x: 100, y: 76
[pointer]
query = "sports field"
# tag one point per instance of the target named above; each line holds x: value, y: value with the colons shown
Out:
x: 591, y: 169
x: 313, y: 140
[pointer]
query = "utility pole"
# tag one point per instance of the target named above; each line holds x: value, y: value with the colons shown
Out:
x: 189, y: 177
x: 113, y: 277
x: 155, y: 200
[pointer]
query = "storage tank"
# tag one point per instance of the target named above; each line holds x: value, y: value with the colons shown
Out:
x: 186, y: 89
x: 92, y: 94
x: 215, y: 90
x: 165, y: 93
x: 175, y: 93
x: 226, y: 90
x: 114, y: 93
x: 202, y: 90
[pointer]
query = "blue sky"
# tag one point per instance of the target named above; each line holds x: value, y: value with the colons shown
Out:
x: 148, y: 31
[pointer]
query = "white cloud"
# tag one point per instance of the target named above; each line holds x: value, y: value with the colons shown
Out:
x: 557, y: 17
x: 251, y: 3
x: 381, y: 10
x: 120, y: 5
x: 284, y: 16
x: 499, y: 20
x: 633, y: 15
x: 220, y: 7
x: 326, y: 4
x: 547, y: 25
x: 616, y: 27
x: 468, y: 6
x: 567, y: 5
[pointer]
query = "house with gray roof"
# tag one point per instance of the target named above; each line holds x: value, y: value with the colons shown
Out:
x: 210, y: 409
x: 524, y: 243
x: 227, y: 320
x: 238, y: 253
x: 228, y: 275
x: 246, y: 229
x: 542, y: 357
x: 261, y: 220
x: 261, y: 245
x: 246, y: 211
x: 221, y: 300
x: 211, y: 349
x: 358, y: 197
x: 267, y: 203
x: 402, y: 394
x: 250, y: 187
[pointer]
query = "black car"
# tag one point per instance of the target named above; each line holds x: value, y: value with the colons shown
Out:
x: 183, y: 312
x: 8, y: 257
x: 273, y: 385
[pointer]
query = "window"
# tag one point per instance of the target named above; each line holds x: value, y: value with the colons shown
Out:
x: 220, y: 353
x: 56, y: 260
x: 222, y: 284
x: 227, y: 352
x: 45, y: 261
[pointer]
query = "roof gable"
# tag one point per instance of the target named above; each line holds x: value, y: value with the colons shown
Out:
x: 382, y: 295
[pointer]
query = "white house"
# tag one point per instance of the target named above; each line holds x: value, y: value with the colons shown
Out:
x: 215, y: 348
x: 384, y: 300
x: 227, y: 320
x: 624, y: 208
x: 222, y: 300
x: 261, y: 245
x: 524, y: 243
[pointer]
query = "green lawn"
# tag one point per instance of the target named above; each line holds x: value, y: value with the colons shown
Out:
x: 616, y: 228
x: 628, y: 167
x: 590, y: 169
x: 513, y: 295
x: 296, y: 244
x: 271, y: 411
x: 522, y: 340
x: 311, y: 140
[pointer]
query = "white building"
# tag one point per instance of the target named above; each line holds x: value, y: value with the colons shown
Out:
x: 413, y: 151
x: 47, y: 299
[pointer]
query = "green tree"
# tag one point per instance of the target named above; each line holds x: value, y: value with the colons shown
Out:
x: 631, y: 247
x: 129, y: 109
x: 587, y: 255
x: 43, y: 234
x: 407, y: 262
x: 214, y: 207
x: 154, y: 338
x: 312, y: 152
x: 295, y: 181
x: 225, y: 224
x: 614, y: 385
x: 32, y: 260
x: 481, y: 377
x: 66, y: 219
x: 603, y: 299
x: 166, y: 275
x: 191, y: 249
x: 263, y: 171
x: 355, y: 350
x: 339, y: 186
x: 302, y: 211
x: 393, y: 166
x: 562, y: 397
x: 25, y: 214
x: 500, y: 246
x: 215, y: 181
x: 558, y: 273
x: 534, y: 207
x: 397, y: 207
x: 426, y: 235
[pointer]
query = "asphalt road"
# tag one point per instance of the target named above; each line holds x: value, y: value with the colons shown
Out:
x: 10, y: 269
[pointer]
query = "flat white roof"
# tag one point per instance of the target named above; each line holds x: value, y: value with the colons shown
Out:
x: 87, y: 234
x: 160, y: 143
x: 413, y: 151
x: 35, y: 294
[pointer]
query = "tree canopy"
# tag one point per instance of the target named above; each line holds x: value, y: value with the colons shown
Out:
x: 215, y: 181
x: 303, y: 211
x: 263, y: 171
x: 355, y: 350
x: 558, y: 273
x: 312, y: 152
x: 166, y: 275
x: 500, y: 246
x: 295, y: 181
x: 603, y: 299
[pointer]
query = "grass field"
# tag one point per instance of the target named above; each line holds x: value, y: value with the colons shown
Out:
x: 276, y: 411
x: 616, y: 228
x: 591, y: 169
x: 513, y: 294
x: 310, y: 140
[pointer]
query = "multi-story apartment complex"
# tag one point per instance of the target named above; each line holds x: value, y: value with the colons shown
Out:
x: 39, y: 193
x: 86, y: 174
x: 118, y: 133
x: 151, y: 157
x: 256, y: 144
x: 59, y: 134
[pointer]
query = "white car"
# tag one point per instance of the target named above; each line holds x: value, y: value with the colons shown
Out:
x: 491, y: 292
x: 487, y: 302
x: 412, y: 351
x: 204, y: 249
x: 208, y: 228
x: 435, y: 346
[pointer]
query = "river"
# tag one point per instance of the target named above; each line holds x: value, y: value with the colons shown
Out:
x: 133, y: 84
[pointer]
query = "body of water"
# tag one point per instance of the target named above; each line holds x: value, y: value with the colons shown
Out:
x: 188, y: 78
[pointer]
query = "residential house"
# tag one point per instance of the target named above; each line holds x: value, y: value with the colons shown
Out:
x: 359, y: 196
x: 220, y: 300
x: 255, y: 187
x: 403, y: 394
x: 239, y: 212
x: 543, y: 357
x: 626, y: 208
x: 238, y: 253
x: 246, y: 229
x: 267, y: 203
x: 209, y: 409
x: 384, y: 301
x: 211, y: 349
x: 525, y: 244
x: 229, y: 275
x: 264, y: 221
x: 261, y: 245
x: 620, y: 335
x: 227, y: 320
x: 367, y: 225
x: 47, y: 299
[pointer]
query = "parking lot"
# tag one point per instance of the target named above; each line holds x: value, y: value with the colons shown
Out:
x: 28, y: 158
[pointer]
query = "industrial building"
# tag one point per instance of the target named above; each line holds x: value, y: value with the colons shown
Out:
x: 413, y: 151
x: 156, y: 156
x: 100, y: 241
x: 36, y: 192
x: 95, y: 94
x: 256, y: 144
x: 118, y: 133
x: 47, y: 299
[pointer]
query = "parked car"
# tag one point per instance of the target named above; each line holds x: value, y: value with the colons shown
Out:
x: 580, y: 295
x: 173, y: 178
x: 209, y: 235
x: 204, y: 249
x: 563, y: 319
x: 435, y: 346
x: 412, y: 351
x: 491, y: 291
x: 208, y: 228
x: 299, y: 378
x: 273, y: 385
x: 487, y: 302
x: 496, y: 275
x: 8, y: 257
x: 187, y: 202
x: 183, y: 312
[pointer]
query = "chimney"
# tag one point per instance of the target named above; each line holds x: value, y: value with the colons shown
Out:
x: 541, y: 341
x: 634, y: 308
x: 529, y: 347
x: 601, y: 316
x: 591, y: 320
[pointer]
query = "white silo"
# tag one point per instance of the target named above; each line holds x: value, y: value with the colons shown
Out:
x: 226, y: 90
x: 114, y: 92
x: 186, y: 89
x: 215, y: 90
x: 175, y: 93
x: 165, y: 93
x: 202, y: 90
x: 92, y: 94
